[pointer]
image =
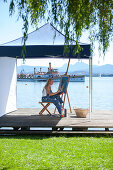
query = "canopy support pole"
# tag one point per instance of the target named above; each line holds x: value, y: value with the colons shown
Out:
x: 90, y: 86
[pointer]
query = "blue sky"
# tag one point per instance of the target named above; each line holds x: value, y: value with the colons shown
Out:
x: 11, y: 29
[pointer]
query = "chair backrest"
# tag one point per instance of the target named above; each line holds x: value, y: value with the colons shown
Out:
x: 64, y: 83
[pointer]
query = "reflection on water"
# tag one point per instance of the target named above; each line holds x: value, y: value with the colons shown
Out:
x: 29, y: 93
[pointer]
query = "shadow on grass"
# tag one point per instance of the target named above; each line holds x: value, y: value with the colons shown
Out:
x: 42, y: 137
x: 5, y: 168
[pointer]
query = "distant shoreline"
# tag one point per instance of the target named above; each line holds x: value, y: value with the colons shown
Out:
x: 100, y: 76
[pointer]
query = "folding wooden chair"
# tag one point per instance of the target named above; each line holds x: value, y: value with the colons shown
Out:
x: 45, y: 107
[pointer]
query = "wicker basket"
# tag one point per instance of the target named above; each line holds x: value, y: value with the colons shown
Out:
x: 81, y: 112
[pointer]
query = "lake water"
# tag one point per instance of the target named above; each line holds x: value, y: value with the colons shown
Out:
x: 29, y: 93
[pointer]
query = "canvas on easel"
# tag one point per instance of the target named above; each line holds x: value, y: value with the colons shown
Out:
x: 63, y: 84
x: 63, y: 88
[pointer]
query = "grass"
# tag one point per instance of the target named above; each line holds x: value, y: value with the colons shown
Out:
x: 51, y: 152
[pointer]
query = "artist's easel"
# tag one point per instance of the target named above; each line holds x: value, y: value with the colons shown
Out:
x: 66, y: 94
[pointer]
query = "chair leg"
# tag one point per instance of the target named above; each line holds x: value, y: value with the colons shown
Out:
x: 40, y: 113
x: 47, y: 105
x: 45, y: 108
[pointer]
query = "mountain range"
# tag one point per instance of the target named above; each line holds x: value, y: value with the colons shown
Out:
x: 78, y: 67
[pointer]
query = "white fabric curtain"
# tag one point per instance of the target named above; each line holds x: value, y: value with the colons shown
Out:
x: 8, y: 80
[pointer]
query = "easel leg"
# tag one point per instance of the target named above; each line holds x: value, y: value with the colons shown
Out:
x: 69, y: 102
x: 54, y: 110
x: 64, y: 99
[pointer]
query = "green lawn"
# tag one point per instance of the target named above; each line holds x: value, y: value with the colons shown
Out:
x: 51, y: 152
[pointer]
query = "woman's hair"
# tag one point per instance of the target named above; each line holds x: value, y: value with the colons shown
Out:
x: 48, y: 81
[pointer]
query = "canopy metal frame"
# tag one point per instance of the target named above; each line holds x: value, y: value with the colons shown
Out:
x: 90, y: 86
x: 41, y: 44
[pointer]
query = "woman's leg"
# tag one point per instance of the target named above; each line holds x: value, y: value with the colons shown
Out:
x: 58, y: 98
x: 54, y: 101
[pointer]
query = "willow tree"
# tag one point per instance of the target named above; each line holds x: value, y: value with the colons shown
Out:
x: 72, y: 17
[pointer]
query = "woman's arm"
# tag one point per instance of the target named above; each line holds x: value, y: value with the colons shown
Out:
x: 50, y: 92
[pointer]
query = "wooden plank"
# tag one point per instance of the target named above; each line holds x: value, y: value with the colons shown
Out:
x: 45, y: 102
x: 49, y: 121
x: 30, y: 117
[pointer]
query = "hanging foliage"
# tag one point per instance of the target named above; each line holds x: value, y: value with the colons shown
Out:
x: 72, y: 17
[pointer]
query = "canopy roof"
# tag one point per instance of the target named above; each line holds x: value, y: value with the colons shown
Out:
x: 45, y: 42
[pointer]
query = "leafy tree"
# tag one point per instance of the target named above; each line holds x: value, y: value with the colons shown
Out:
x: 73, y: 17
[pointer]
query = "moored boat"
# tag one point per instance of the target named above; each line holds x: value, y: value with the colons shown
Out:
x: 43, y: 76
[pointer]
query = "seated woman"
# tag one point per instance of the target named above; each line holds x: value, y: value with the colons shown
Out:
x: 49, y: 96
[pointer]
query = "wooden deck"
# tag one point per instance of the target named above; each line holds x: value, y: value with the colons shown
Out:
x: 28, y: 121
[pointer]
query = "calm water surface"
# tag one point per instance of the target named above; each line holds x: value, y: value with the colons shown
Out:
x: 29, y: 93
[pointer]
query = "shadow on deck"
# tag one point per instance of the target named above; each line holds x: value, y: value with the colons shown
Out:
x: 28, y: 121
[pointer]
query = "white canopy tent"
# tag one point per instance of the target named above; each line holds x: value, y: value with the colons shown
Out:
x: 45, y: 42
x: 45, y: 35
